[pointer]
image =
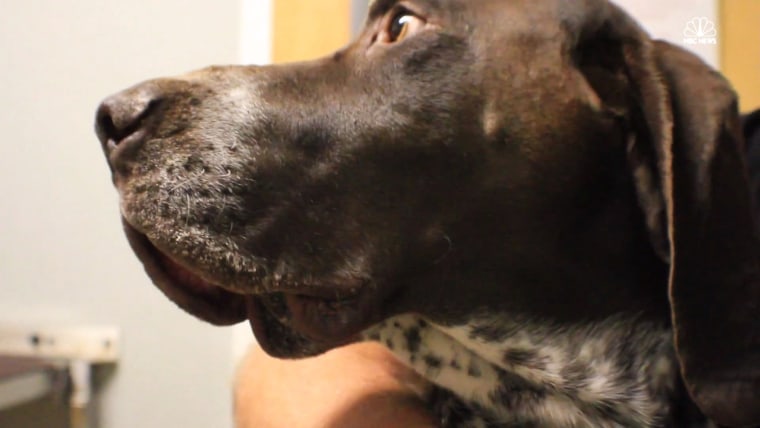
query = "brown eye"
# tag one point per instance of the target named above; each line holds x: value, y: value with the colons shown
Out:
x: 402, y: 25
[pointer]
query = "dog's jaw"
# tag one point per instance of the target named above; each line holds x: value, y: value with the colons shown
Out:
x: 218, y: 306
x: 287, y: 321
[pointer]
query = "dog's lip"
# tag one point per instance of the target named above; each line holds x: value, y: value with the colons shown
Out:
x: 190, y: 279
x: 264, y: 324
x: 321, y: 314
x: 194, y: 295
x: 331, y: 321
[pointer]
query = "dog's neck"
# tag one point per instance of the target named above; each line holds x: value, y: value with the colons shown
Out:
x: 612, y: 373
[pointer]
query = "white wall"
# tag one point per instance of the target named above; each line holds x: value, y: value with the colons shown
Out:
x: 63, y: 258
x: 666, y: 19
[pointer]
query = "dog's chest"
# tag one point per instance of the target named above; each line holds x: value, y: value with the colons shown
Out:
x: 614, y: 373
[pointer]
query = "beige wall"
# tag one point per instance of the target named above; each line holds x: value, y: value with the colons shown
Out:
x: 740, y: 48
x: 307, y: 29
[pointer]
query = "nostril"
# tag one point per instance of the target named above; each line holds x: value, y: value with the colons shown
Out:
x: 105, y: 127
x: 121, y: 116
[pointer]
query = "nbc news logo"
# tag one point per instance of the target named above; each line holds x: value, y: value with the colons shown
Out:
x: 700, y: 31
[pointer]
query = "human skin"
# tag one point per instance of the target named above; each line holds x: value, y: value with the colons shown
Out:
x: 357, y: 386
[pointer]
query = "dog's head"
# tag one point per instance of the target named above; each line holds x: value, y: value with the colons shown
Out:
x: 542, y: 158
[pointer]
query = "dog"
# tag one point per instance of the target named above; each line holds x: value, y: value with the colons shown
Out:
x: 533, y: 204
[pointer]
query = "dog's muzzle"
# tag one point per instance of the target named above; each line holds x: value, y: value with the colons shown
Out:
x: 149, y: 126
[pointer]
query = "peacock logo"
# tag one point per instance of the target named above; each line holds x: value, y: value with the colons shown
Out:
x: 700, y: 31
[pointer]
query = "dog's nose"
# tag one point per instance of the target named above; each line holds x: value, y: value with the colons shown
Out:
x: 122, y: 118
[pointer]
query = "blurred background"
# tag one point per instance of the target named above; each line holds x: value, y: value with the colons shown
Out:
x: 63, y: 259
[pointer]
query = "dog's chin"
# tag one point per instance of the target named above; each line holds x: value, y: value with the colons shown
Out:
x: 286, y: 323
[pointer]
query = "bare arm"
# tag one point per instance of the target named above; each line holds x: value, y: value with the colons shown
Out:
x: 358, y: 386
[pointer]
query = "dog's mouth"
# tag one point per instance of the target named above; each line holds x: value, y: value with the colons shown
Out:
x: 286, y: 322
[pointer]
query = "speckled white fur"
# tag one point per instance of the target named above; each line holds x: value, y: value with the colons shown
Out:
x: 577, y: 376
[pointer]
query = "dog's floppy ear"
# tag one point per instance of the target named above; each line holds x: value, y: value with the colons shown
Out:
x: 715, y: 274
x: 686, y: 157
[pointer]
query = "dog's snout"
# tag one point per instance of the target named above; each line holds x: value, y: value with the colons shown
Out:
x: 122, y: 118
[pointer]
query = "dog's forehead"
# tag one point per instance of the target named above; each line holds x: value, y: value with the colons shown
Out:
x: 573, y: 17
x: 514, y: 19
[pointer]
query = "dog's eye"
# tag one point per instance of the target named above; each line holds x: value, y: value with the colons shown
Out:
x: 401, y: 26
